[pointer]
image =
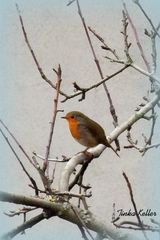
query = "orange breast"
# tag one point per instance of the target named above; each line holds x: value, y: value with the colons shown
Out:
x: 73, y: 126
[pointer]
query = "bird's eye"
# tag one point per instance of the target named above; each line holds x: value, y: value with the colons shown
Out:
x: 72, y: 117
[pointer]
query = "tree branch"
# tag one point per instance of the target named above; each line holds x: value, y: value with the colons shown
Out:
x: 55, y: 110
x: 85, y: 90
x: 147, y: 17
x: 28, y: 224
x: 65, y: 211
x: 137, y: 38
x: 18, y: 143
x: 20, y: 162
x: 33, y: 54
x: 134, y: 205
x: 135, y: 117
x: 112, y: 108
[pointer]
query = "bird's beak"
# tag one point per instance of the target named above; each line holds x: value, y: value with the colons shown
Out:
x: 64, y: 117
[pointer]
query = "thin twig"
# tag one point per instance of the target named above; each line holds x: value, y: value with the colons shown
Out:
x: 54, y: 160
x: 70, y: 194
x: 53, y: 172
x: 28, y: 224
x: 85, y: 90
x: 105, y: 46
x: 33, y: 54
x: 146, y: 15
x: 154, y: 49
x: 78, y: 175
x: 24, y: 169
x: 80, y: 192
x: 149, y: 141
x: 55, y: 108
x: 152, y: 36
x: 137, y: 68
x: 127, y: 44
x: 70, y: 2
x: 136, y: 228
x: 17, y: 142
x: 134, y: 144
x: 149, y: 147
x: 112, y: 108
x: 145, y: 73
x: 34, y: 162
x: 82, y: 222
x: 134, y: 204
x: 84, y: 236
x: 19, y: 212
x: 40, y: 190
x: 137, y: 38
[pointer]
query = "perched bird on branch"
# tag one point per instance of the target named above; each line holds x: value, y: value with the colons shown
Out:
x: 86, y: 131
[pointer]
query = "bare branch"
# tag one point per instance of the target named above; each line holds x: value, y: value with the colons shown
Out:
x: 70, y: 2
x: 134, y: 204
x: 84, y: 90
x: 19, y: 212
x: 145, y: 149
x: 69, y: 169
x: 20, y: 162
x: 28, y: 224
x: 54, y: 160
x: 133, y: 144
x: 33, y: 54
x: 40, y: 190
x: 145, y: 73
x: 17, y: 142
x: 84, y: 236
x: 135, y: 117
x: 81, y: 221
x: 53, y: 172
x: 82, y: 93
x: 105, y: 46
x: 64, y: 211
x: 79, y: 175
x: 45, y: 180
x: 112, y: 108
x: 70, y: 194
x: 137, y: 68
x: 146, y: 15
x: 149, y: 141
x: 55, y: 108
x: 127, y: 44
x: 135, y: 226
x: 137, y: 38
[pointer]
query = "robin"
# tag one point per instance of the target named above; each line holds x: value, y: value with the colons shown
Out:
x: 86, y: 131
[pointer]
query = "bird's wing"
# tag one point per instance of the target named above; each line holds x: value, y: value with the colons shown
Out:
x: 98, y: 132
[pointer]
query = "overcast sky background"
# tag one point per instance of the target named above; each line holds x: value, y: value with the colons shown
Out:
x: 57, y: 36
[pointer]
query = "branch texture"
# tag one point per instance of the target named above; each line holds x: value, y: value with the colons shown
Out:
x: 64, y: 211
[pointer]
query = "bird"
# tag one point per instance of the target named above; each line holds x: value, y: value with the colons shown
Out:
x: 86, y: 131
